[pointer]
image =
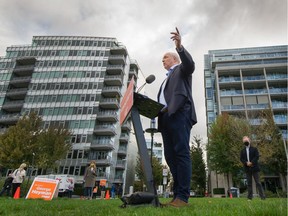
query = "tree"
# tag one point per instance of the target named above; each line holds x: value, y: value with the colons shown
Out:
x: 225, y: 143
x: 198, y: 182
x: 53, y: 144
x: 20, y: 141
x: 271, y: 145
x: 27, y: 138
x: 157, y: 170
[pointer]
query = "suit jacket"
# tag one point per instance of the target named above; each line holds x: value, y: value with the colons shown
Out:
x: 178, y: 88
x: 253, y: 156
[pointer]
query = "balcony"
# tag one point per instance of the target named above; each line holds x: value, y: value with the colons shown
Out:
x: 126, y: 126
x: 133, y: 72
x: 255, y: 91
x: 124, y: 138
x: 102, y: 145
x: 23, y: 70
x: 113, y: 80
x: 26, y: 61
x: 278, y: 91
x: 13, y: 106
x: 118, y: 180
x: 17, y: 94
x: 20, y: 82
x: 105, y: 130
x: 280, y: 120
x: 115, y: 69
x: 118, y: 50
x: 120, y: 164
x: 111, y: 92
x: 133, y: 64
x: 116, y: 59
x: 257, y: 106
x: 109, y: 103
x: 122, y: 151
x: 106, y: 161
x: 107, y: 116
x: 229, y: 79
x: 9, y: 119
x: 224, y: 92
x: 278, y: 77
x: 279, y: 105
x: 254, y: 78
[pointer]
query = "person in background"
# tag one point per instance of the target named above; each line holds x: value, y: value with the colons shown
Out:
x: 249, y: 157
x: 113, y: 190
x: 176, y: 119
x: 70, y: 188
x: 103, y: 190
x: 18, y: 177
x: 89, y: 180
x: 7, y: 185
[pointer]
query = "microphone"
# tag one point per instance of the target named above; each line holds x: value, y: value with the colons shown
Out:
x: 148, y: 80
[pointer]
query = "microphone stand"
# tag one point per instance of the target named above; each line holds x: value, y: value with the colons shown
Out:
x: 141, y: 87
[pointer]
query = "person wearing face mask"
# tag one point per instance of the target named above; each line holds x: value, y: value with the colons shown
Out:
x: 249, y: 157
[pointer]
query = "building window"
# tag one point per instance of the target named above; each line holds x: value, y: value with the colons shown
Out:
x: 211, y: 117
x: 40, y: 53
x: 208, y: 82
x: 84, y: 138
x: 99, y: 63
x: 209, y: 93
x: 210, y: 105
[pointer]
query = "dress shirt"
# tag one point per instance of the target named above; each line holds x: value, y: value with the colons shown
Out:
x: 247, y: 152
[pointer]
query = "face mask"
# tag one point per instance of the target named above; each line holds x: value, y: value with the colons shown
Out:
x: 246, y: 143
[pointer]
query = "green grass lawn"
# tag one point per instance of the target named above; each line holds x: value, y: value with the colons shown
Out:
x: 198, y: 206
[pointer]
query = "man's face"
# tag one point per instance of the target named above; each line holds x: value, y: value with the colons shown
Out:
x: 168, y: 61
x: 246, y: 140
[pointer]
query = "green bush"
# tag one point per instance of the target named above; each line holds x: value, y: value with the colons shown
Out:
x: 218, y: 190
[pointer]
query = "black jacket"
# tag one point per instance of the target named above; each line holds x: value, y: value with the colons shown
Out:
x: 253, y: 156
x: 8, y: 182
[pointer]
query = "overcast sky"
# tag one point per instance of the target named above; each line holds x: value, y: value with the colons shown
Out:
x: 144, y: 28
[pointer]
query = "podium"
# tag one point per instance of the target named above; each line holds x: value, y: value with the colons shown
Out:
x: 142, y: 105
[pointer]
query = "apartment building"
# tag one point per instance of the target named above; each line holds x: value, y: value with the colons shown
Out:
x: 73, y: 82
x: 243, y: 81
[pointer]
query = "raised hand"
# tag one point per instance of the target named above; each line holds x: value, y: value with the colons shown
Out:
x: 176, y: 37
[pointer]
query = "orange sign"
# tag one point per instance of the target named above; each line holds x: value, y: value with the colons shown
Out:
x: 43, y: 188
x: 127, y: 101
x: 103, y: 182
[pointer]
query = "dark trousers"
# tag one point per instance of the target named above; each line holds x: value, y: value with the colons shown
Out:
x: 256, y: 177
x: 7, y: 189
x: 88, y: 192
x: 14, y: 188
x: 175, y: 130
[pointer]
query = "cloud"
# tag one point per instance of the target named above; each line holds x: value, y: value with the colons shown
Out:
x: 145, y: 26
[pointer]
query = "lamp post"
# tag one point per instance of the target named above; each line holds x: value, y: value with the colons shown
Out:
x: 152, y: 130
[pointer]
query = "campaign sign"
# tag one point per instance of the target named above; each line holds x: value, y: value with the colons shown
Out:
x: 43, y: 188
x: 127, y: 102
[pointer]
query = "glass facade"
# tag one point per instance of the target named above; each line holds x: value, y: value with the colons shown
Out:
x: 242, y: 81
x: 76, y: 83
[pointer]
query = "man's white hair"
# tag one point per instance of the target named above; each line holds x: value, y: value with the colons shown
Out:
x: 175, y: 56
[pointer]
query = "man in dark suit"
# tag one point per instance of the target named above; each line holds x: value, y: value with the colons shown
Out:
x: 176, y: 119
x: 249, y: 157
